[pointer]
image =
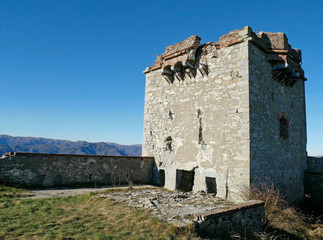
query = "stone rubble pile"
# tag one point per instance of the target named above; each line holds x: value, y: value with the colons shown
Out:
x: 175, y: 207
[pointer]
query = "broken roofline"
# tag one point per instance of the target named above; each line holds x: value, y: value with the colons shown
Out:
x: 272, y: 43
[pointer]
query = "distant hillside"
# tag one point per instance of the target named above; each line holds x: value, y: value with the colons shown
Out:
x: 46, y: 145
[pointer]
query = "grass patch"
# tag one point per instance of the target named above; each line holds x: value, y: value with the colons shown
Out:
x: 92, y: 217
x: 78, y: 217
x: 11, y: 192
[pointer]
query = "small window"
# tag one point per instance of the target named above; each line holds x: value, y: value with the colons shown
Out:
x: 283, y: 127
x: 168, y: 142
x: 210, y: 185
x: 161, y: 177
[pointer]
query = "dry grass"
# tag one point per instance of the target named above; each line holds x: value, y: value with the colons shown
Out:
x: 282, y: 220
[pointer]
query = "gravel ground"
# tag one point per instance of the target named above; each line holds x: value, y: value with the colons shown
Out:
x: 69, y: 191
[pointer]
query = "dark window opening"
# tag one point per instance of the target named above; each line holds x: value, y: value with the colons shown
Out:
x: 184, y: 180
x: 161, y: 173
x: 210, y: 185
x: 283, y: 128
x: 168, y: 142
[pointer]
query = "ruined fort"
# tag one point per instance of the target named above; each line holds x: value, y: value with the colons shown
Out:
x: 221, y: 114
x: 218, y: 116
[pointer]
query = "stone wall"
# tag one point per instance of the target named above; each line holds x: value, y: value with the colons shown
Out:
x: 200, y: 123
x: 281, y: 160
x: 314, y: 183
x: 225, y: 113
x: 315, y: 164
x: 44, y: 170
x: 247, y: 215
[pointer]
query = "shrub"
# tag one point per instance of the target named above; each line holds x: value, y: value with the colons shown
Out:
x: 279, y: 215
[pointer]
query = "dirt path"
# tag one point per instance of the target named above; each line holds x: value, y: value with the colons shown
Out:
x: 65, y: 192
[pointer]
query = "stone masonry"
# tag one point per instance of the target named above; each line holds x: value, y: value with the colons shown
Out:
x: 47, y: 170
x: 221, y: 115
x: 208, y: 213
x: 314, y: 183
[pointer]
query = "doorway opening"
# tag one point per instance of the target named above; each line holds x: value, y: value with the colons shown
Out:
x: 184, y: 180
x: 210, y: 185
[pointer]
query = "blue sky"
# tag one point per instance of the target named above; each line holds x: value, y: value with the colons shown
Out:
x: 73, y: 69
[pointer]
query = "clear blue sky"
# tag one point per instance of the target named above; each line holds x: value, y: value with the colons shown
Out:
x: 73, y: 69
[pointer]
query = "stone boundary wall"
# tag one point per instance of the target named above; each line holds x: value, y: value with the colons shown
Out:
x: 315, y: 163
x: 313, y: 183
x: 48, y: 170
x: 247, y: 215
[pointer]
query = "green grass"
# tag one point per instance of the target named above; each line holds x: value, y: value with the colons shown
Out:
x: 79, y: 217
x: 91, y: 217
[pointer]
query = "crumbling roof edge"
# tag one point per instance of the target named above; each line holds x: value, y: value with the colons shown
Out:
x: 276, y: 43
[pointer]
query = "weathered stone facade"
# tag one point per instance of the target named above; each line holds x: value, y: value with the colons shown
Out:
x: 222, y: 114
x: 314, y: 183
x: 46, y: 170
x: 248, y: 215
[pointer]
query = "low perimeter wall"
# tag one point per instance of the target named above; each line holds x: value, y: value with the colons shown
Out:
x: 247, y: 215
x: 47, y: 170
x: 313, y: 183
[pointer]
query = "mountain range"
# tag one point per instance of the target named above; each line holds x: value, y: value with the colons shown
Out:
x: 47, y: 145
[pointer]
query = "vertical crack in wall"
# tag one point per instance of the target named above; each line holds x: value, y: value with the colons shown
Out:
x: 199, y: 115
x: 227, y: 185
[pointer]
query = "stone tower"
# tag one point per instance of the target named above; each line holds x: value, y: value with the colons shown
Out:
x: 222, y: 114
